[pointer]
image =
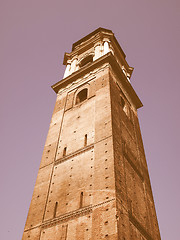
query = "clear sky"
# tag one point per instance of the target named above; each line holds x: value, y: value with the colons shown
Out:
x: 34, y: 36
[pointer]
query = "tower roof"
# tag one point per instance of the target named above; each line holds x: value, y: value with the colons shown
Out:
x: 98, y: 30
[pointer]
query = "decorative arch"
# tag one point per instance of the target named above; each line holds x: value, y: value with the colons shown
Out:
x: 86, y: 59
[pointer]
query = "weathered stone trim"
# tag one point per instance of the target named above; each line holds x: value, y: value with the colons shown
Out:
x: 84, y: 149
x: 71, y: 215
x: 46, y: 165
x: 60, y: 160
x: 127, y: 152
x: 67, y: 217
x: 139, y: 226
x: 130, y: 134
x: 87, y: 77
x: 54, y: 158
x: 133, y: 166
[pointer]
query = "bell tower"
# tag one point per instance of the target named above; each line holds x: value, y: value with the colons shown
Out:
x: 93, y: 181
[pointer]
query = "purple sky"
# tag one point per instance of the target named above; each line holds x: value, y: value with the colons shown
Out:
x: 34, y: 36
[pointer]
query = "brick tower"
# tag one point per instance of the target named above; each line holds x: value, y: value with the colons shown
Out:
x: 93, y: 181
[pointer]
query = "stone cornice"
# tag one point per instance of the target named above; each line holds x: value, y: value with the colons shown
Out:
x: 70, y: 215
x: 74, y: 214
x: 107, y: 58
x: 63, y: 159
x: 140, y: 227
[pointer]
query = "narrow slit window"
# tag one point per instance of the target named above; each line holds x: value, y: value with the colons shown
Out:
x: 64, y: 232
x: 85, y: 140
x: 55, y: 209
x: 64, y: 151
x: 122, y: 102
x: 81, y: 96
x: 81, y: 199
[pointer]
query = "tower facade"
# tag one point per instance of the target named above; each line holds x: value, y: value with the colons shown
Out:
x: 93, y: 181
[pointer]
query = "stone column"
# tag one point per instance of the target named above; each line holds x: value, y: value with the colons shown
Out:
x: 97, y: 51
x: 74, y: 64
x: 67, y: 71
x: 106, y: 47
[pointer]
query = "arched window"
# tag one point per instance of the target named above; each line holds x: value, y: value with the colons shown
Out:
x: 81, y: 96
x: 86, y: 60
